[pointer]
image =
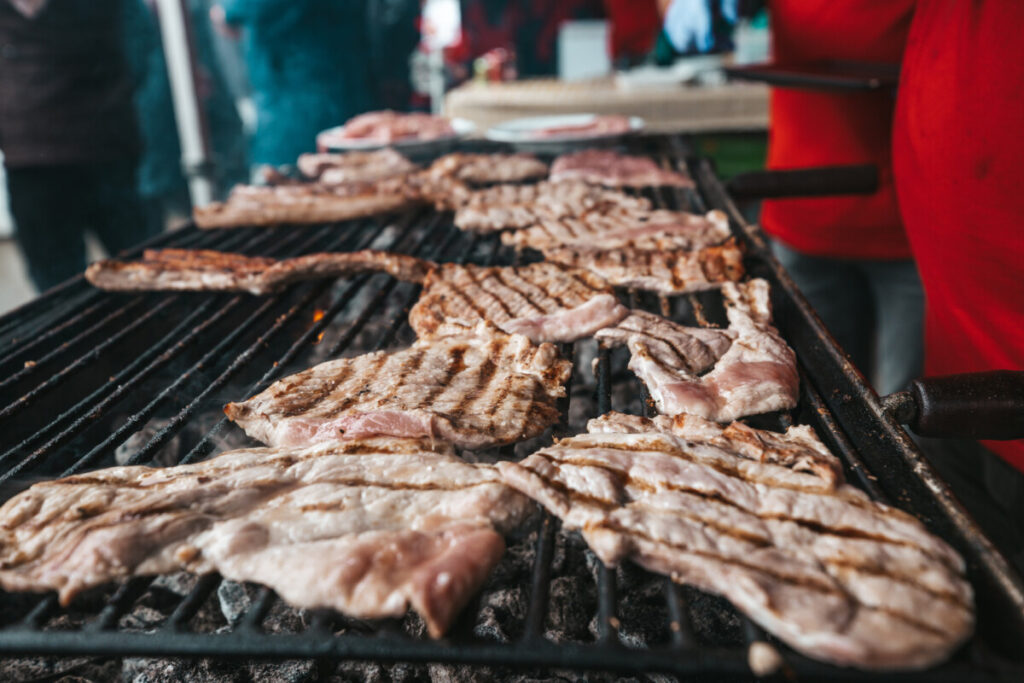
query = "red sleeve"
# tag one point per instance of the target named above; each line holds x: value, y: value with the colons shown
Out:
x: 635, y: 25
x: 820, y: 128
x: 957, y: 150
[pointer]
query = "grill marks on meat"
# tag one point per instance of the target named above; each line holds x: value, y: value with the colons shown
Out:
x: 368, y: 528
x: 299, y: 203
x: 665, y: 272
x: 690, y: 350
x: 354, y: 167
x: 798, y: 448
x: 204, y: 270
x: 506, y: 207
x: 815, y: 562
x: 543, y: 301
x: 605, y: 167
x: 489, y: 168
x: 757, y: 374
x: 472, y: 390
x: 655, y: 230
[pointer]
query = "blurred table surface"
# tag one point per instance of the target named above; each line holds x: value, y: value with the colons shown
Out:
x: 697, y: 109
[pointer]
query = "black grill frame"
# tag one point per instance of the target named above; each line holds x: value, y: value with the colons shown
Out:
x: 56, y: 337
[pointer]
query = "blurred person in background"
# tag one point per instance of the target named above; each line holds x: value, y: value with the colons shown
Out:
x: 529, y: 28
x: 67, y: 132
x: 308, y: 68
x: 957, y: 150
x: 161, y: 181
x: 849, y: 255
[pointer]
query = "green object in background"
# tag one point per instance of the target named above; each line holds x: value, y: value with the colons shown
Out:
x: 733, y: 153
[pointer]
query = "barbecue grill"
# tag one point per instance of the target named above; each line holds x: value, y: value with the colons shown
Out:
x: 92, y: 378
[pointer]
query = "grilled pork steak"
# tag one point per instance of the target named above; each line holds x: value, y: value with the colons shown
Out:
x: 816, y: 563
x: 605, y: 167
x: 665, y: 272
x: 757, y: 374
x: 663, y: 230
x: 543, y: 301
x: 354, y: 167
x: 505, y: 207
x: 489, y: 168
x: 472, y: 390
x: 204, y: 270
x: 690, y: 350
x: 249, y: 205
x: 365, y: 527
x: 798, y: 448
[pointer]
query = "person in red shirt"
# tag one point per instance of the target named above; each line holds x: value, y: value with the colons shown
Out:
x: 958, y: 145
x: 848, y: 254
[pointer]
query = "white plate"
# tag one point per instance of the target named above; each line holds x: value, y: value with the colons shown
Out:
x: 523, y: 131
x: 462, y: 127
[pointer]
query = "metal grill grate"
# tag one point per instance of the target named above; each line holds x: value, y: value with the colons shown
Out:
x: 86, y: 373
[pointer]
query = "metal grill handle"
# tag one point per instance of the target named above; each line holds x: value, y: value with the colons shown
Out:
x: 824, y: 181
x: 978, y: 405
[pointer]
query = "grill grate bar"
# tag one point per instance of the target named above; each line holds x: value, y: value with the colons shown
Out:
x: 680, y: 628
x: 119, y: 603
x: 187, y: 608
x: 540, y: 580
x: 41, y: 612
x: 36, y: 366
x: 49, y: 300
x: 94, y: 405
x: 56, y: 331
x: 252, y: 620
x: 72, y: 306
x: 88, y: 357
x: 175, y: 423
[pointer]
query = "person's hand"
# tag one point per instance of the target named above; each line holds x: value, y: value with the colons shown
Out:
x: 219, y: 19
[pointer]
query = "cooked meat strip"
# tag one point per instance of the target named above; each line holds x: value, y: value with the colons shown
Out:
x: 819, y: 565
x: 797, y: 448
x: 544, y: 301
x: 685, y: 349
x: 475, y: 390
x: 661, y: 230
x: 605, y: 167
x: 390, y: 126
x: 757, y: 374
x: 349, y: 167
x: 665, y: 272
x: 204, y: 270
x: 249, y: 205
x: 489, y: 168
x: 368, y: 528
x: 607, y: 124
x: 506, y: 207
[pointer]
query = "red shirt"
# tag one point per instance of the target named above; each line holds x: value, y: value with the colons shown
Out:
x: 958, y: 155
x: 819, y: 128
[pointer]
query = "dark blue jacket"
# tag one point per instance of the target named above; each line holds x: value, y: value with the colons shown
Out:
x: 308, y: 67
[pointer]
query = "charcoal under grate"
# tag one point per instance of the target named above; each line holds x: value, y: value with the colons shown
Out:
x: 92, y: 379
